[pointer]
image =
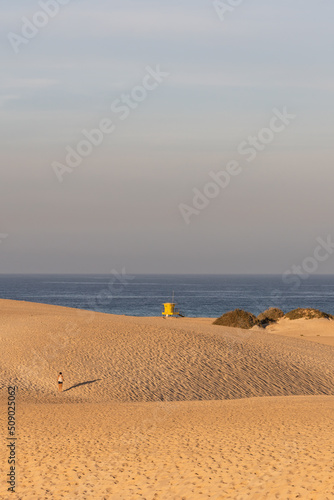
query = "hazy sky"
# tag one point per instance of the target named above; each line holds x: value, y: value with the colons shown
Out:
x: 122, y: 206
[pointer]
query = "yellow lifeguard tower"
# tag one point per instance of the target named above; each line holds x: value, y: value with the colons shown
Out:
x: 170, y: 311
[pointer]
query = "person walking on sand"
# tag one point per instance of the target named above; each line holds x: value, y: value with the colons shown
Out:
x: 60, y: 382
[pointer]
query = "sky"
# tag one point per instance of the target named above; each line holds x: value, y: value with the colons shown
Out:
x: 216, y: 152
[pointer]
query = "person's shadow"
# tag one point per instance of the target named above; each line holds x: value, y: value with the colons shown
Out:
x: 82, y: 383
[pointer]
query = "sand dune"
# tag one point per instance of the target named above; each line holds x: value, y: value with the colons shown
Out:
x: 319, y: 330
x: 107, y: 358
x: 145, y: 415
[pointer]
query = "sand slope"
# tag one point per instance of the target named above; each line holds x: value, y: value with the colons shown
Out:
x: 107, y: 358
x: 145, y: 413
x: 319, y: 330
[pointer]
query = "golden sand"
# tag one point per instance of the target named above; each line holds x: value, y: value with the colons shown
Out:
x: 253, y: 448
x: 165, y: 409
x: 320, y: 330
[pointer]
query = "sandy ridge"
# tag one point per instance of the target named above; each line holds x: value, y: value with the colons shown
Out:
x: 123, y: 358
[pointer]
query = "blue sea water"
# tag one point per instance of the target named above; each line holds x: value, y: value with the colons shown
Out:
x: 195, y: 295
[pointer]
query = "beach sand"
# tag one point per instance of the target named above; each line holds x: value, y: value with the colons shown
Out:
x: 252, y: 448
x: 320, y: 330
x: 165, y: 409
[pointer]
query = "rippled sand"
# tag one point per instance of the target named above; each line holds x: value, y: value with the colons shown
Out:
x: 164, y: 409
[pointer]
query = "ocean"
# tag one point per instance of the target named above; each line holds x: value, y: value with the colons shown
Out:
x: 195, y: 295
